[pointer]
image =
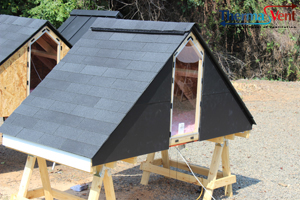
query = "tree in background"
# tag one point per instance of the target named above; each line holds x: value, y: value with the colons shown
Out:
x: 243, y: 52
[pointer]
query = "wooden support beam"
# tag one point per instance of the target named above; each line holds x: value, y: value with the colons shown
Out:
x: 230, y: 137
x: 245, y: 134
x: 46, y: 46
x: 95, y: 187
x: 64, y: 196
x: 196, y: 169
x: 35, y: 193
x: 1, y: 136
x: 157, y: 161
x: 26, y: 176
x: 172, y: 174
x: 109, y: 186
x: 225, y: 181
x: 165, y: 158
x: 226, y: 168
x: 44, y: 54
x: 45, y: 178
x: 219, y: 140
x: 111, y: 164
x: 146, y: 174
x: 132, y: 160
x: 45, y: 62
x: 212, y: 175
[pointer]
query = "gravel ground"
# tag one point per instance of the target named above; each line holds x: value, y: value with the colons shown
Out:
x: 267, y: 165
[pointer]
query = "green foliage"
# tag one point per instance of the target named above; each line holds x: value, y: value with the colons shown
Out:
x: 54, y: 11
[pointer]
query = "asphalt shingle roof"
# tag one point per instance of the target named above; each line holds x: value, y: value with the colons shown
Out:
x: 84, y: 98
x: 80, y: 21
x: 14, y: 31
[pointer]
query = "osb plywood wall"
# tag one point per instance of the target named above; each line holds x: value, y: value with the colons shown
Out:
x: 64, y: 51
x: 13, y: 82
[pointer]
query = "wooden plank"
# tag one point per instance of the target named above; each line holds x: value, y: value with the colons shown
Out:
x: 212, y: 175
x: 182, y: 139
x: 228, y: 180
x: 196, y: 169
x: 219, y: 140
x: 15, y: 197
x: 1, y: 136
x: 26, y: 176
x: 44, y: 54
x: 226, y: 169
x: 35, y: 193
x: 97, y: 169
x: 230, y: 137
x: 245, y: 134
x: 146, y: 174
x: 45, y: 178
x: 165, y: 158
x: 64, y: 196
x: 109, y: 186
x: 172, y: 174
x: 132, y: 160
x: 95, y: 187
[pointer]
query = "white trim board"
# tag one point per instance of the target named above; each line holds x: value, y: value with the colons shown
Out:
x: 48, y: 153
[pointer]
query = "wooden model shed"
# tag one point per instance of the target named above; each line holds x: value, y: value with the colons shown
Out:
x: 80, y: 21
x: 30, y: 48
x: 129, y: 88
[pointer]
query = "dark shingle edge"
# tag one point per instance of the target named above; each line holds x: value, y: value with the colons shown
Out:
x: 140, y: 31
x: 97, y: 13
x: 38, y: 30
x: 196, y: 30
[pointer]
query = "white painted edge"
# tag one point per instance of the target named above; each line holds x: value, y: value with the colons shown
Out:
x: 48, y: 153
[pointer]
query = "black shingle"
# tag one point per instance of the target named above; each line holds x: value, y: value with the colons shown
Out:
x: 45, y: 126
x: 54, y: 141
x: 94, y: 70
x: 85, y: 150
x: 30, y: 135
x: 68, y: 132
x: 116, y: 73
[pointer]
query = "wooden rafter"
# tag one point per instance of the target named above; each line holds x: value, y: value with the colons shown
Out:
x: 44, y: 54
x: 46, y: 46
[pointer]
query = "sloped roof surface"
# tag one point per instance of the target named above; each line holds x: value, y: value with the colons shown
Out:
x: 14, y: 31
x: 80, y: 21
x: 84, y: 98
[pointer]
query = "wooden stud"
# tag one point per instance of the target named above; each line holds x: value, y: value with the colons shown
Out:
x: 226, y: 168
x: 95, y: 187
x: 1, y: 136
x: 45, y: 46
x: 146, y: 174
x: 222, y: 182
x: 26, y: 176
x: 215, y: 162
x: 132, y: 160
x: 109, y: 186
x: 45, y: 178
x: 44, y: 54
x: 165, y: 158
x: 45, y: 62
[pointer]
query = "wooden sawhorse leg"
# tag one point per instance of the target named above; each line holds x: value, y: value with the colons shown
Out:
x: 146, y: 175
x: 212, y: 175
x: 45, y: 178
x: 102, y: 174
x: 26, y: 177
x: 226, y: 168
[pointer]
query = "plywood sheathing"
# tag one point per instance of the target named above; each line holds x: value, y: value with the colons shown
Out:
x: 13, y: 78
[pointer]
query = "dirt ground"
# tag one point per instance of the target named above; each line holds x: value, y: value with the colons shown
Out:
x: 256, y: 94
